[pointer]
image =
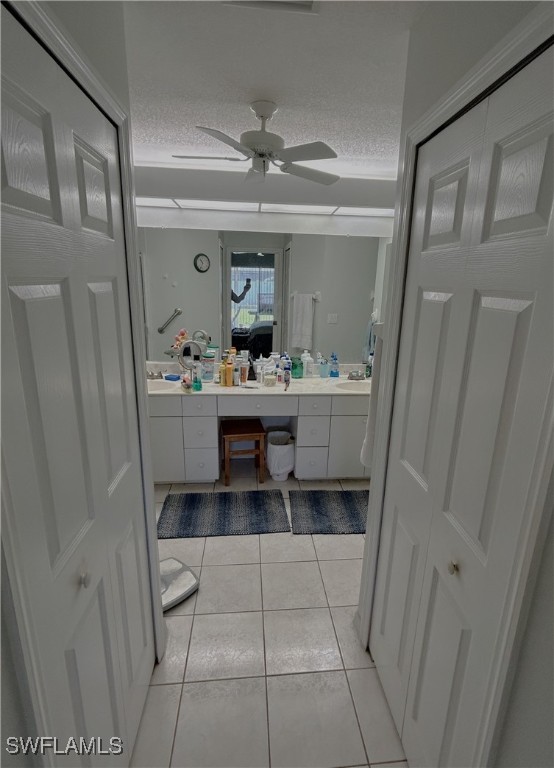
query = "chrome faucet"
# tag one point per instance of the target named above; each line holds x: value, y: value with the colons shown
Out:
x: 153, y: 375
x: 356, y: 375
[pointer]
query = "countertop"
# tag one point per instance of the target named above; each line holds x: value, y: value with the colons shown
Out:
x: 311, y: 386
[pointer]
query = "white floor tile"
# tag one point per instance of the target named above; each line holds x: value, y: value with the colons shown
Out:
x: 302, y: 640
x: 353, y: 654
x: 292, y: 585
x: 160, y: 491
x: 395, y: 764
x: 189, y: 551
x: 286, y: 547
x: 339, y: 546
x: 222, y: 723
x: 172, y: 666
x: 226, y: 645
x: 236, y: 484
x: 378, y: 730
x: 229, y: 588
x: 159, y: 505
x: 342, y: 580
x: 290, y: 484
x: 320, y: 485
x: 312, y: 722
x: 232, y: 550
x: 157, y: 727
x: 191, y: 487
x: 355, y: 485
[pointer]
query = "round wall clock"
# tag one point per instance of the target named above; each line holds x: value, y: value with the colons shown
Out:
x: 201, y: 262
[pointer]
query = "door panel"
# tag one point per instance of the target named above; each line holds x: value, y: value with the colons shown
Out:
x: 73, y: 485
x: 487, y: 410
x: 444, y: 197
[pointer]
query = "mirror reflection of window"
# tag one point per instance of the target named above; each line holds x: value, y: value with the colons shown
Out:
x: 253, y: 302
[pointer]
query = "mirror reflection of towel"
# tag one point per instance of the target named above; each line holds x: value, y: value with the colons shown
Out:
x: 366, y: 455
x: 302, y: 320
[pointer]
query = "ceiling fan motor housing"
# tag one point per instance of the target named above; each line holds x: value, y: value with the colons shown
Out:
x: 262, y: 142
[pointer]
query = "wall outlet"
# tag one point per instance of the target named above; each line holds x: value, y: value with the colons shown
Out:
x: 332, y: 319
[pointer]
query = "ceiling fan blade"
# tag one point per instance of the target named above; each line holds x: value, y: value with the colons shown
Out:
x: 256, y: 177
x: 310, y: 174
x: 316, y: 150
x: 227, y: 140
x: 210, y: 157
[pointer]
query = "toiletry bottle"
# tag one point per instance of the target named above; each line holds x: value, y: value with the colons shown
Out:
x: 197, y: 380
x: 334, y: 371
x: 222, y: 368
x: 236, y: 375
x: 307, y: 364
x: 229, y: 373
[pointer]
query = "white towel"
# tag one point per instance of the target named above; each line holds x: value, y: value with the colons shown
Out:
x: 302, y: 320
x: 366, y: 455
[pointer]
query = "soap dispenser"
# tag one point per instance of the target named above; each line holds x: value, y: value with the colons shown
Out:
x: 334, y: 371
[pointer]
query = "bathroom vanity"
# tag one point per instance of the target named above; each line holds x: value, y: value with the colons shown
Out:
x: 327, y: 417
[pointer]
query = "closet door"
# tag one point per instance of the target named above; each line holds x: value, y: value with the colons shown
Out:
x: 445, y: 193
x: 73, y: 507
x: 471, y: 416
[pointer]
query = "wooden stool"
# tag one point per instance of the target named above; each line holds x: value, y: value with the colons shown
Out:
x: 244, y: 429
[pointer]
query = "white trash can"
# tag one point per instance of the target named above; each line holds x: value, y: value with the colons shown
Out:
x: 280, y: 454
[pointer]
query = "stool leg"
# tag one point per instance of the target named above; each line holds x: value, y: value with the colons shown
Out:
x: 262, y: 458
x: 227, y: 462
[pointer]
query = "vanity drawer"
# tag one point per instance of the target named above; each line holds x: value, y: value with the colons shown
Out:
x: 313, y: 430
x: 200, y: 431
x: 164, y: 405
x: 350, y: 405
x: 257, y: 405
x: 317, y: 405
x: 199, y: 405
x: 311, y: 463
x: 201, y: 465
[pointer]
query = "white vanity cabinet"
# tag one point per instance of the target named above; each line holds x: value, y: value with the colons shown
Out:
x: 166, y: 439
x: 184, y: 432
x: 347, y: 432
x: 200, y: 438
x: 312, y: 437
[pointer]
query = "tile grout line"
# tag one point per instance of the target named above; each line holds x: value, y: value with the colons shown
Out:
x: 182, y: 689
x: 265, y: 659
x: 343, y: 665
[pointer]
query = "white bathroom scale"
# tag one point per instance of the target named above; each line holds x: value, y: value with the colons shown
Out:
x: 178, y: 582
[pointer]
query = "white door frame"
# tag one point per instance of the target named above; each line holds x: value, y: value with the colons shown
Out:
x: 528, y: 36
x: 35, y: 17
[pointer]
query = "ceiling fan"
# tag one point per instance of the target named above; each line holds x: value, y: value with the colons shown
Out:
x: 263, y: 148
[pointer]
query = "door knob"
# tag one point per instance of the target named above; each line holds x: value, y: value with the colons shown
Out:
x: 453, y: 567
x: 84, y: 579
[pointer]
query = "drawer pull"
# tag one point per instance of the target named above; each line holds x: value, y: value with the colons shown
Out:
x: 258, y: 405
x: 312, y: 463
x: 453, y: 568
x: 201, y: 464
x: 313, y: 431
x: 314, y: 405
x: 200, y: 432
x: 199, y: 406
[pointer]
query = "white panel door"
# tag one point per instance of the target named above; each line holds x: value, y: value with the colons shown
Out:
x: 445, y: 192
x: 72, y: 487
x: 487, y: 405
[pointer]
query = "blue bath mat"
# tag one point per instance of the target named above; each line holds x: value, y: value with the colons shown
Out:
x: 328, y: 511
x: 233, y: 513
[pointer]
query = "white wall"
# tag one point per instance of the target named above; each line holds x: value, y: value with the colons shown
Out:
x: 446, y: 41
x: 171, y: 281
x: 97, y: 30
x: 343, y: 270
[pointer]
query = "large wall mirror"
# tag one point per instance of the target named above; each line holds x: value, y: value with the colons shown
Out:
x: 345, y: 273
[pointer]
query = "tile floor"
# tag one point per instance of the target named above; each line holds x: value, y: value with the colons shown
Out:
x: 263, y: 666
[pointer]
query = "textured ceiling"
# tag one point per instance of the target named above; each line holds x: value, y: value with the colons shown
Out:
x: 337, y: 75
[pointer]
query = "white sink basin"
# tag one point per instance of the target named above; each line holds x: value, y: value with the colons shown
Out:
x: 161, y: 385
x: 355, y: 386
